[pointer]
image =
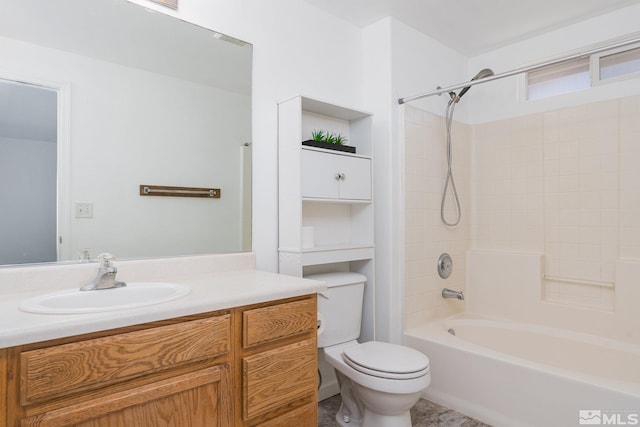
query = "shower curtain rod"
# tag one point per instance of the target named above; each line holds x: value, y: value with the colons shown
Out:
x: 524, y: 69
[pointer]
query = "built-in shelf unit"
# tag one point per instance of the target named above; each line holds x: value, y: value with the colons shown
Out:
x: 328, y: 190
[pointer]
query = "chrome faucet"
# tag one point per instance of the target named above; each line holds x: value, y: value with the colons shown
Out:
x: 106, y: 277
x: 448, y: 293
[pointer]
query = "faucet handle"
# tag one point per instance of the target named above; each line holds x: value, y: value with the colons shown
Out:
x: 106, y: 260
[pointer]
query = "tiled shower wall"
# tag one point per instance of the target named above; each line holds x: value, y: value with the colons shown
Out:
x: 565, y: 183
x: 629, y: 184
x: 425, y: 235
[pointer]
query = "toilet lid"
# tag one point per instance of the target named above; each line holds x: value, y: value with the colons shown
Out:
x: 386, y: 360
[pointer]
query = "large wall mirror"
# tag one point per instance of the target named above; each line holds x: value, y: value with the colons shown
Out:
x: 99, y: 97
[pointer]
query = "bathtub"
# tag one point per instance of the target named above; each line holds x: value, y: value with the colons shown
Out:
x: 522, y: 375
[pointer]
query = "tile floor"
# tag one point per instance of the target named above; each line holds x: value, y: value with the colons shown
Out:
x: 423, y: 414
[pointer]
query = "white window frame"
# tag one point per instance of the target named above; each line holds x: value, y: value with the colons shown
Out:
x: 595, y: 66
x: 594, y: 71
x: 558, y: 68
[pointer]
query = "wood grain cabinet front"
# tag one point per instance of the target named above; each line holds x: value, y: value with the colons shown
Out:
x: 266, y: 324
x: 278, y: 377
x: 169, y: 373
x: 84, y: 365
x: 304, y: 416
x: 279, y: 364
x: 241, y: 367
x: 195, y: 399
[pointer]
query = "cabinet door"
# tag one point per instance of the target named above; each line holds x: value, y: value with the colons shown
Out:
x: 306, y: 415
x: 266, y: 324
x: 275, y: 378
x: 320, y: 175
x: 335, y: 176
x: 355, y: 181
x: 196, y: 399
x: 65, y: 369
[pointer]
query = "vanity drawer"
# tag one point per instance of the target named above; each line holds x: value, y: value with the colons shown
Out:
x: 262, y: 325
x: 86, y: 365
x: 274, y: 378
x: 306, y: 415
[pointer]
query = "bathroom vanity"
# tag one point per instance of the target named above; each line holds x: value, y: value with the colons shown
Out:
x: 251, y: 360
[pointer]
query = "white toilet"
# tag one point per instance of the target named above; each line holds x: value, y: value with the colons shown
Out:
x: 379, y: 382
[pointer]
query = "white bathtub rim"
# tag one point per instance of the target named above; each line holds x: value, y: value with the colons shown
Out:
x: 437, y: 332
x: 624, y: 346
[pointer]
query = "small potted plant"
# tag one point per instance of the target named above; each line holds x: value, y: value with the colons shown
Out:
x: 329, y: 141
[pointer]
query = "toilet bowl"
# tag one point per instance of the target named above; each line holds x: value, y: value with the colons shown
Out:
x: 379, y: 382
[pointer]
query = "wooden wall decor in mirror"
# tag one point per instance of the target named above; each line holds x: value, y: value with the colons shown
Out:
x: 100, y: 96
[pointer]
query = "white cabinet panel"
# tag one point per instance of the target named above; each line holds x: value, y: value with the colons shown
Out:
x: 319, y: 175
x: 309, y: 195
x: 355, y: 182
x: 335, y: 176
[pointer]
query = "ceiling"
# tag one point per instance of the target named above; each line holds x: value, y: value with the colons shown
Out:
x: 473, y: 27
x: 118, y: 31
x: 105, y: 30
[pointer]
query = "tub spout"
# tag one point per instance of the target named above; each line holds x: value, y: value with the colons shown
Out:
x: 448, y: 293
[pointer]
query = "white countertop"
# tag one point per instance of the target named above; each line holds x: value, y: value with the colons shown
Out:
x: 209, y: 292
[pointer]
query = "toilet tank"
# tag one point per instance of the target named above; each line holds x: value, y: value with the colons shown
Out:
x: 339, y: 307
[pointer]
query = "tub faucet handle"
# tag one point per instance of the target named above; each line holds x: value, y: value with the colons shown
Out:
x: 448, y: 293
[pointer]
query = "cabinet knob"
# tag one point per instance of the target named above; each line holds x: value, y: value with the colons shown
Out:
x: 340, y: 176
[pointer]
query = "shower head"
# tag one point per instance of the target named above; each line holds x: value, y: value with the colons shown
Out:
x: 486, y: 72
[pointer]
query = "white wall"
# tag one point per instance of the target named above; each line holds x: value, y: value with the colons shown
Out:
x: 420, y: 64
x: 297, y: 49
x: 500, y: 99
x: 377, y: 74
x: 398, y: 61
x: 130, y: 127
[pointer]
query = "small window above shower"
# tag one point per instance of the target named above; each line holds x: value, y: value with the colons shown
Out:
x: 558, y: 79
x: 584, y: 73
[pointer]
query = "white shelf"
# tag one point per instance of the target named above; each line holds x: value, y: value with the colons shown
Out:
x: 340, y: 153
x: 341, y: 201
x: 338, y: 191
x: 331, y: 254
x: 327, y: 248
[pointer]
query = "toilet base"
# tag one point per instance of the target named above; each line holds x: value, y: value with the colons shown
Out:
x: 371, y: 419
x: 354, y: 412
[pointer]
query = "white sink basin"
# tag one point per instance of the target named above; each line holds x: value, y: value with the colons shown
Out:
x: 75, y: 301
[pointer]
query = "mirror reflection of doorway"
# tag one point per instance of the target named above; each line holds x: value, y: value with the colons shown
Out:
x: 28, y: 173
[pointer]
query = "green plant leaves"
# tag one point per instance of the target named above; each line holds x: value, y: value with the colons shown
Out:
x: 329, y: 137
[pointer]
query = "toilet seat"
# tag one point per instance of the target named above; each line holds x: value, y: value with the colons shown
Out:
x: 385, y: 360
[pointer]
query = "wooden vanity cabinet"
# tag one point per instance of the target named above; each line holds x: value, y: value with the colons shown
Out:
x: 3, y: 387
x: 247, y: 366
x: 277, y: 364
x: 168, y: 373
